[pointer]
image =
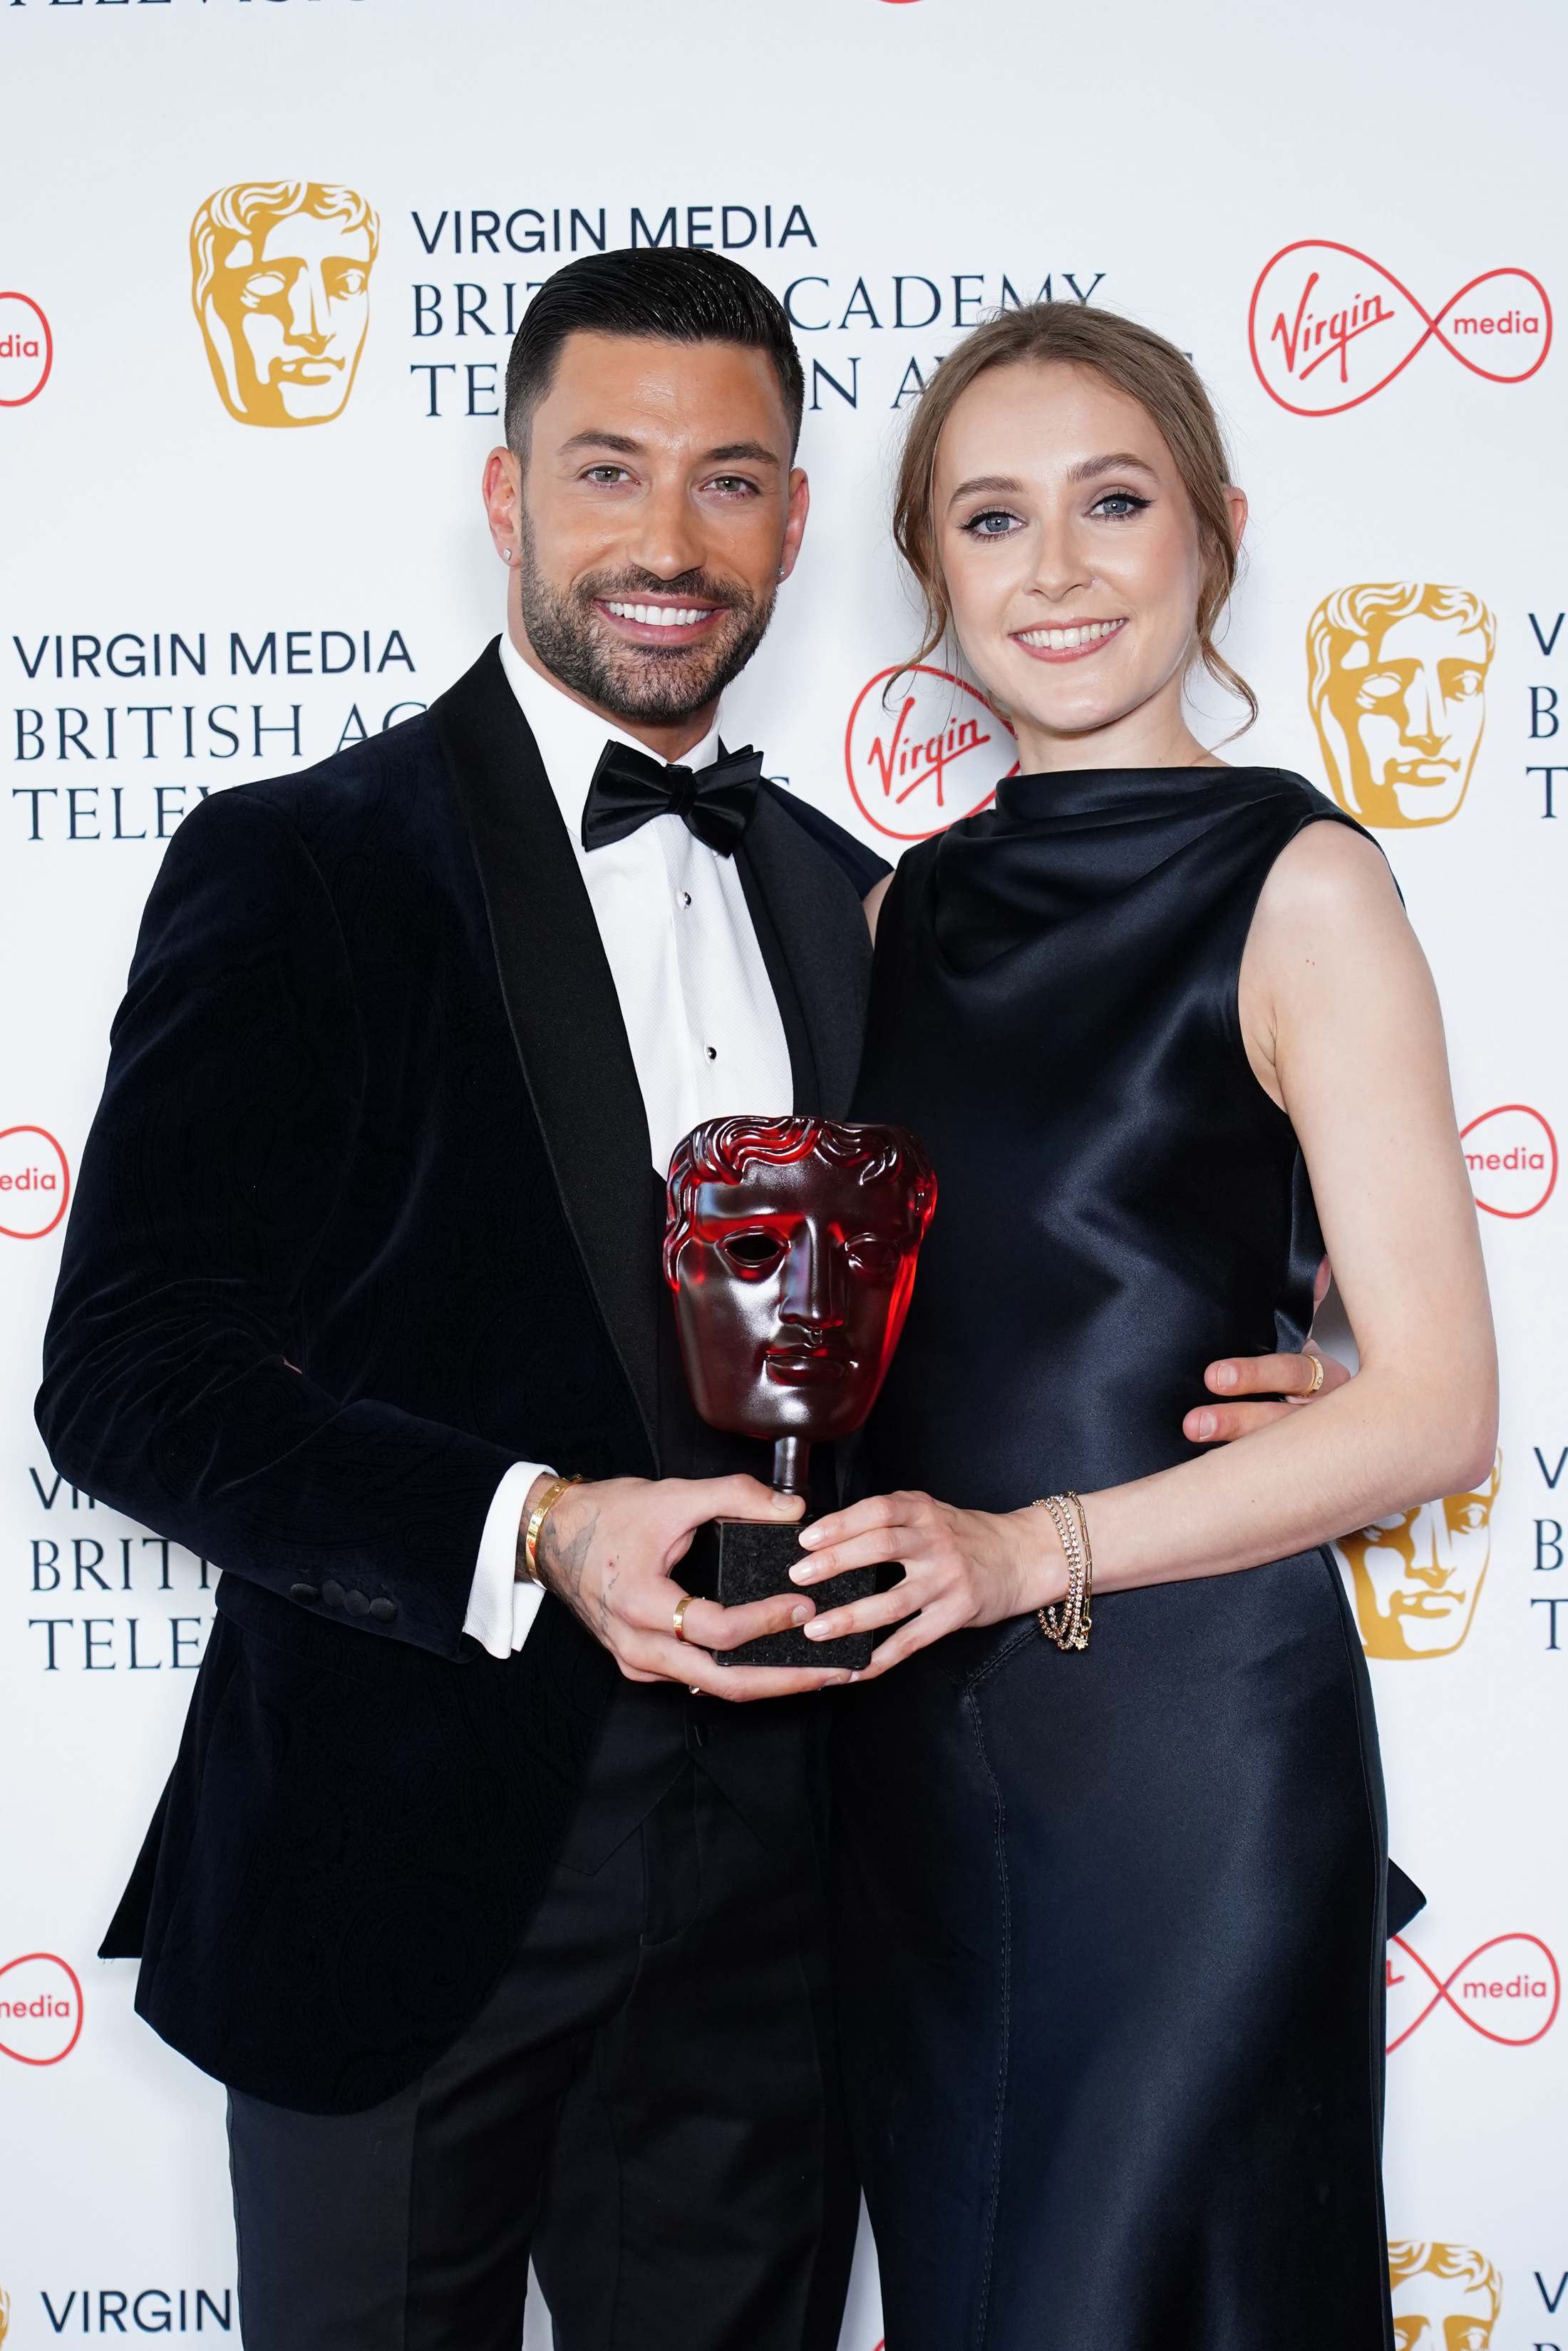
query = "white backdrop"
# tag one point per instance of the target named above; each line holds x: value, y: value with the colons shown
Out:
x: 1296, y: 198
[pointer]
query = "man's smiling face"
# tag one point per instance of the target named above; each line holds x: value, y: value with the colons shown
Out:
x: 656, y: 513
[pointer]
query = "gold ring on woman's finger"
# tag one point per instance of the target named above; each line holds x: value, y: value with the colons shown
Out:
x: 1317, y: 1362
x: 682, y: 1604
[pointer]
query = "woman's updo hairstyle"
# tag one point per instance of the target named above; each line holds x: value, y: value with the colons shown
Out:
x: 1162, y: 382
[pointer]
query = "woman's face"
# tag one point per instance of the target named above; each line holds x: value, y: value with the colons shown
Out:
x: 1071, y: 557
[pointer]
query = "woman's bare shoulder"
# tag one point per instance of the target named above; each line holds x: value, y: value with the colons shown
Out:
x: 1330, y: 883
x: 1332, y: 864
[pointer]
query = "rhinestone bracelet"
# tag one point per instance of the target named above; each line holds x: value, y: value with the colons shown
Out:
x: 1069, y: 1624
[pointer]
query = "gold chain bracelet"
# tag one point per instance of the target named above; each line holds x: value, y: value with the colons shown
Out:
x: 1069, y: 1623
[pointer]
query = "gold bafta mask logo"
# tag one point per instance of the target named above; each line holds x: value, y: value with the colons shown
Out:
x: 5, y: 2313
x: 1418, y: 1576
x: 1399, y: 672
x: 1446, y: 2297
x: 280, y: 279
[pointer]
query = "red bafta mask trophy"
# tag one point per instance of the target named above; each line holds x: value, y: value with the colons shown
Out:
x: 790, y: 1246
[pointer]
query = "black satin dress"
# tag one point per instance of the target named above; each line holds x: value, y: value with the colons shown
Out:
x: 1113, y: 1923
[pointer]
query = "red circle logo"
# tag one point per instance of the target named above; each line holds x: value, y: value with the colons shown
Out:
x: 925, y: 753
x: 1511, y: 1155
x: 40, y: 2008
x: 27, y: 350
x: 34, y: 1183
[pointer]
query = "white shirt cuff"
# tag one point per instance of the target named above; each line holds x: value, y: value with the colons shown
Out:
x: 501, y: 1610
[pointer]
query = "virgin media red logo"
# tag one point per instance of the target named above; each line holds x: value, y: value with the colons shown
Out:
x: 1508, y: 1990
x: 34, y: 1183
x: 40, y: 2008
x: 1329, y: 327
x: 27, y: 350
x: 1511, y: 1155
x: 922, y: 749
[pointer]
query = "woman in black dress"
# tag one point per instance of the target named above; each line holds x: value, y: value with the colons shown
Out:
x: 1113, y: 1923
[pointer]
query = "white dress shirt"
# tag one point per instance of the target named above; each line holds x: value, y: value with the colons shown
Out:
x: 705, y: 1029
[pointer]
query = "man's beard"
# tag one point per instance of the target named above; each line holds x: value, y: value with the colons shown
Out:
x: 630, y: 681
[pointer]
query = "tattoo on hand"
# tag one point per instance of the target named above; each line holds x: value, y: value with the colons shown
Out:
x: 563, y: 1564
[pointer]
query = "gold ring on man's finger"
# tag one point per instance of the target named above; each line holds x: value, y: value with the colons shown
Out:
x: 1317, y: 1362
x: 682, y: 1604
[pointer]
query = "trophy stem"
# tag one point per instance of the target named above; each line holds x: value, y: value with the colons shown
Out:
x: 791, y: 1465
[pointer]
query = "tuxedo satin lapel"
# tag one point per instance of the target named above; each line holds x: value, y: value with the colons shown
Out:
x: 805, y: 1079
x: 564, y: 1013
x: 810, y: 922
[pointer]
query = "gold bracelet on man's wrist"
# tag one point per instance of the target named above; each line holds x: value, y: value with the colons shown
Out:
x: 537, y: 1516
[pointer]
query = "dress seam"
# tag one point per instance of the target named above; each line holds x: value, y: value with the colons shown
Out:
x: 1379, y: 1897
x: 983, y: 1673
x: 994, y: 2195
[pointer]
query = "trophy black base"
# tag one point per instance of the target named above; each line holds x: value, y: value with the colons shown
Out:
x: 735, y: 1560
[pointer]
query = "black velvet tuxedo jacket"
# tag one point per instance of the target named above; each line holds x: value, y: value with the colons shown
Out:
x: 366, y: 1214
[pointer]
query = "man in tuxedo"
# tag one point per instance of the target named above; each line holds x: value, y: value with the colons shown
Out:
x: 497, y: 1945
x: 500, y: 1918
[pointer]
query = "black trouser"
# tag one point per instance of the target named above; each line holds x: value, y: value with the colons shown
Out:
x: 648, y: 2104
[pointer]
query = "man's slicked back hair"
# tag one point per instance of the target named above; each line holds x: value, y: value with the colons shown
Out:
x: 665, y: 294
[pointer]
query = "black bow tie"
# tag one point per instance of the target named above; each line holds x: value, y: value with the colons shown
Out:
x: 629, y: 786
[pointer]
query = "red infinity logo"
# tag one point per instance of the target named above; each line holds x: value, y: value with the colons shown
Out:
x: 1329, y: 327
x: 1529, y: 1978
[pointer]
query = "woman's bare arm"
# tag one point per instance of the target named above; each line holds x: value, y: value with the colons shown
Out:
x: 1341, y: 1028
